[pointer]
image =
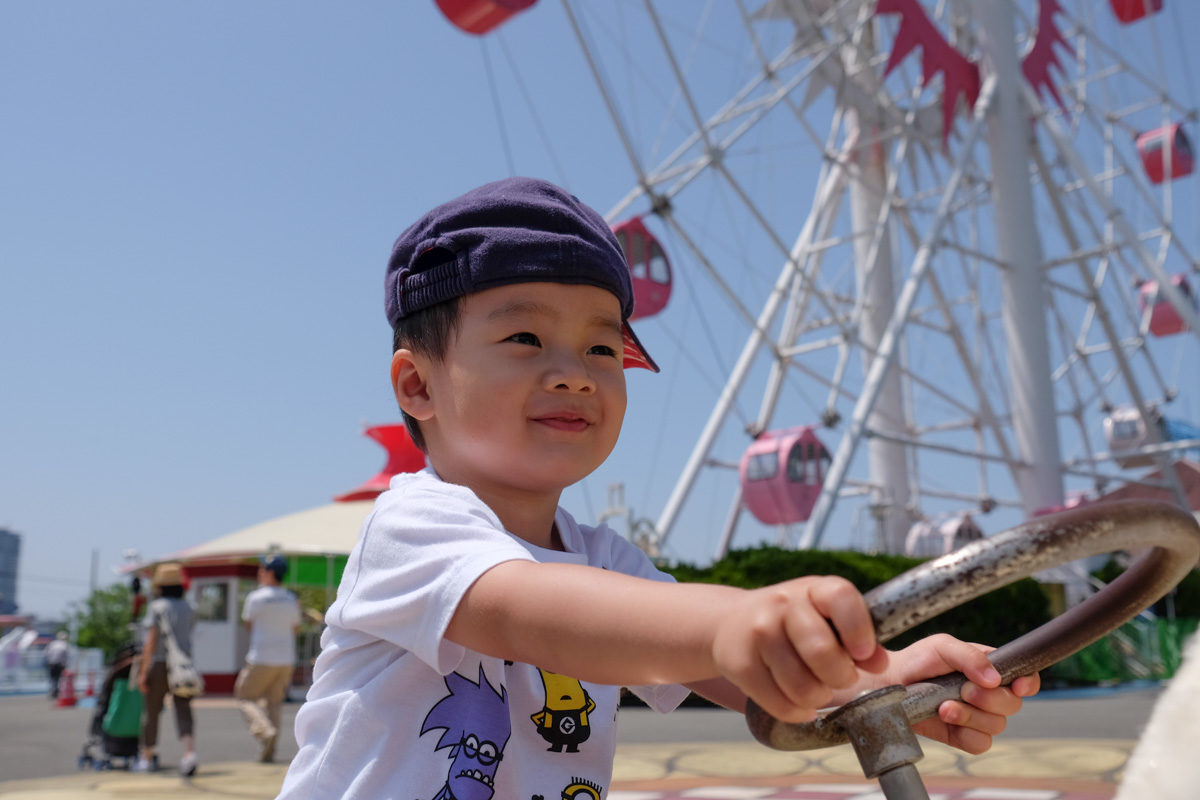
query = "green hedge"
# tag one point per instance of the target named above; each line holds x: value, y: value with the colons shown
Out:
x: 994, y: 619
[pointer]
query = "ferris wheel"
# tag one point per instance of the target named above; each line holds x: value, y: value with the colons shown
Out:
x: 958, y: 241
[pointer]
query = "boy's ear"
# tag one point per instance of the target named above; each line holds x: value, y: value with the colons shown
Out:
x: 409, y: 383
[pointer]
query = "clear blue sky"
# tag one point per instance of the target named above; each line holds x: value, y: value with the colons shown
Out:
x: 198, y: 201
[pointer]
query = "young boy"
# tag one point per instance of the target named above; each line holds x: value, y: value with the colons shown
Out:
x: 480, y: 634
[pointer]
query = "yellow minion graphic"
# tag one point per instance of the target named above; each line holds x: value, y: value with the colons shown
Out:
x: 581, y: 790
x: 563, y: 720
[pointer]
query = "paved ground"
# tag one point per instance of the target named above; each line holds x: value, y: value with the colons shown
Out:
x: 1062, y: 747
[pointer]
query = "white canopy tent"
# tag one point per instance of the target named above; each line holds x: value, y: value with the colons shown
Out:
x: 326, y: 530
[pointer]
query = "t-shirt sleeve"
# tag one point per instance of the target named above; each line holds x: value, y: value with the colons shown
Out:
x: 248, y: 608
x: 422, y: 547
x: 295, y: 608
x: 150, y: 621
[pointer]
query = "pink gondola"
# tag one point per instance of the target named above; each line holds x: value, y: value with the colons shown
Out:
x: 481, y: 16
x: 648, y: 265
x: 1128, y: 11
x: 782, y: 474
x: 1164, y: 317
x: 1154, y: 147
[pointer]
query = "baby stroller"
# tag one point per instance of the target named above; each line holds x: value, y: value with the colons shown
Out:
x: 116, y: 723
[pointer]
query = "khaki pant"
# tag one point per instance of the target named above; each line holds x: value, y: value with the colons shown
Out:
x: 260, y: 690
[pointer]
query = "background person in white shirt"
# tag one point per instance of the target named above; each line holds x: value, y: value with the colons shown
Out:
x: 272, y: 613
x: 58, y: 653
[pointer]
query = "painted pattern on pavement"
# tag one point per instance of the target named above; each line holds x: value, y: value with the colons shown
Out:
x: 826, y: 791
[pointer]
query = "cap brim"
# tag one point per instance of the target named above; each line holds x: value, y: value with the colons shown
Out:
x: 635, y: 355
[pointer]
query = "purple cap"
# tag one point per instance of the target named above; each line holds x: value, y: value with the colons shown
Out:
x: 512, y: 231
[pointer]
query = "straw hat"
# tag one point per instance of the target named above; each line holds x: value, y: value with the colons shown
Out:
x: 169, y: 574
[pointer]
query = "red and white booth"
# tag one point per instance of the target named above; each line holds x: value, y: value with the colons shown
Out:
x: 219, y: 574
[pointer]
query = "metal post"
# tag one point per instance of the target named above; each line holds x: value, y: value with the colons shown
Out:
x: 887, y: 460
x: 1035, y: 423
x: 889, y: 344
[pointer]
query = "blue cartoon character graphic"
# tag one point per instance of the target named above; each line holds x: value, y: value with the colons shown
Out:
x: 563, y: 720
x: 476, y: 727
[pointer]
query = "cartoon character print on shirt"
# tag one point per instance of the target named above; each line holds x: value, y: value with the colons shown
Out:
x: 474, y: 718
x: 563, y: 720
x: 578, y: 789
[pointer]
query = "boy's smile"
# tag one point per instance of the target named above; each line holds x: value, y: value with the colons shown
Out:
x: 530, y: 395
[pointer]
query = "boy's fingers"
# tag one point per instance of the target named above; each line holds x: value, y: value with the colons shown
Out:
x: 996, y: 701
x: 968, y: 740
x: 819, y: 647
x: 763, y: 687
x: 1027, y: 685
x: 837, y: 600
x: 968, y: 658
x: 878, y: 662
x: 974, y: 737
x: 972, y: 716
x: 800, y: 689
x: 789, y: 674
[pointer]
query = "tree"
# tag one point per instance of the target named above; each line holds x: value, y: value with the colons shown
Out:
x: 103, y: 619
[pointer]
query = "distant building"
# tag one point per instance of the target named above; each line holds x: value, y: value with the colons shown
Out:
x: 10, y: 550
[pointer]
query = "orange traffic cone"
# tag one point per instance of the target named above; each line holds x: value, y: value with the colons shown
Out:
x: 66, y: 689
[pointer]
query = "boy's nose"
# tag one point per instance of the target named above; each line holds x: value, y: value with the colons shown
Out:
x: 569, y: 374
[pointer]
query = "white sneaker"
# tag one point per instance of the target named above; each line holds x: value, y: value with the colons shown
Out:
x: 187, y: 765
x: 144, y: 764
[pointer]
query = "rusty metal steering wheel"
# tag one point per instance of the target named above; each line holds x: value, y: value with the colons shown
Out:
x: 1169, y: 537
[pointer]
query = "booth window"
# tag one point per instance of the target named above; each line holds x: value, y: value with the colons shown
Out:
x: 212, y: 602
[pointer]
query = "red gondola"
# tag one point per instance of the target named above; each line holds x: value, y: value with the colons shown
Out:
x: 648, y: 265
x: 1154, y: 147
x: 782, y: 474
x: 1128, y: 11
x: 1164, y: 317
x: 481, y: 16
x: 403, y: 455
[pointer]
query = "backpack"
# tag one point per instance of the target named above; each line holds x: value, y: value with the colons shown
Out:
x: 123, y: 717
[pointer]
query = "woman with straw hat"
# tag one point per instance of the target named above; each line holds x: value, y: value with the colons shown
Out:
x: 169, y: 610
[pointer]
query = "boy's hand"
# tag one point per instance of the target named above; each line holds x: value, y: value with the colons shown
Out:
x: 789, y: 646
x: 983, y: 712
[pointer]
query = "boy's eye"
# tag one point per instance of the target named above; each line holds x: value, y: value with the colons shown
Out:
x: 525, y: 337
x: 602, y: 350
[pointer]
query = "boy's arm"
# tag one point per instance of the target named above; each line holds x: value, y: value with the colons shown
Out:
x: 788, y: 646
x: 794, y: 647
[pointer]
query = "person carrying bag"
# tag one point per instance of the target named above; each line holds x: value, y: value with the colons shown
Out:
x: 167, y: 667
x: 183, y: 680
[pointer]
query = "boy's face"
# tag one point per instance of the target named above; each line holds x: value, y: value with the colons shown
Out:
x: 530, y: 395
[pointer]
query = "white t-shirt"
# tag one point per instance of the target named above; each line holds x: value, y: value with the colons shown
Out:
x: 273, y: 613
x: 58, y: 652
x: 396, y: 710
